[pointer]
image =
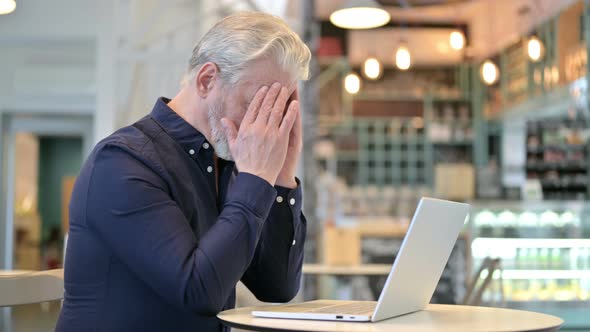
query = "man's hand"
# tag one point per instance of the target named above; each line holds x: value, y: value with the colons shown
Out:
x: 286, y: 177
x: 261, y: 144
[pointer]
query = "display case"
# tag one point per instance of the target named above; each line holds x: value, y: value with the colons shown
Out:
x: 557, y: 156
x: 544, y: 250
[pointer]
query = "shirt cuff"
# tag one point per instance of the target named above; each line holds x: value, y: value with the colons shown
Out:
x: 254, y: 192
x: 290, y: 197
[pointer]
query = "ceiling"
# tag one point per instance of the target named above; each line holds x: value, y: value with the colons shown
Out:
x: 418, y: 3
x: 492, y: 25
x: 428, y: 46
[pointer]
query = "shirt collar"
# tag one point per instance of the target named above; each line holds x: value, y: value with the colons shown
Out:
x: 181, y: 131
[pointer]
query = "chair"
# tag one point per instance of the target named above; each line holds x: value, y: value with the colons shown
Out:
x: 26, y: 287
x: 476, y: 288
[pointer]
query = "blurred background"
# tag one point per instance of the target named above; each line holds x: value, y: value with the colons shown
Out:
x: 480, y: 101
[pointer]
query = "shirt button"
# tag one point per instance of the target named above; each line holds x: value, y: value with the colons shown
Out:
x: 293, y: 242
x: 209, y: 169
x: 292, y: 201
x: 191, y: 152
x: 279, y: 199
x: 206, y: 145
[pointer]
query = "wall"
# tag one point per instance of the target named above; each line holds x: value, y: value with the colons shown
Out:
x: 42, y: 78
x: 43, y: 19
x: 569, y: 37
x: 48, y: 54
x: 58, y: 157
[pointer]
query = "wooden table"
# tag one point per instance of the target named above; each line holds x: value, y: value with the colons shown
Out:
x: 436, y: 317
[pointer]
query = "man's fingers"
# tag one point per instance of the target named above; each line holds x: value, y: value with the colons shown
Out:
x: 268, y: 103
x: 289, y: 119
x: 296, y: 132
x: 277, y: 112
x: 254, y: 106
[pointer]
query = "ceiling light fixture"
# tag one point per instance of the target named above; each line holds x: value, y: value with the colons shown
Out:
x: 403, y: 58
x: 360, y: 14
x: 352, y: 83
x: 372, y: 68
x: 7, y: 6
x: 457, y: 40
x: 535, y: 49
x: 489, y: 72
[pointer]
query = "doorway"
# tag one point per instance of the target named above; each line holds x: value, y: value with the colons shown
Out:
x: 40, y: 157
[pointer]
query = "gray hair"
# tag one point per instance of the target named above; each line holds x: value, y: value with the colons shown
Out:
x: 240, y: 38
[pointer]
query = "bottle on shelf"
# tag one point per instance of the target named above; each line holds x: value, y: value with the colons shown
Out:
x: 544, y: 261
x: 555, y: 263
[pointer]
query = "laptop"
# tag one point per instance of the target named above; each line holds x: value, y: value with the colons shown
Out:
x: 412, y: 280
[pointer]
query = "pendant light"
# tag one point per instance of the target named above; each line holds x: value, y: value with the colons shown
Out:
x: 534, y: 46
x: 489, y: 72
x: 360, y: 14
x: 535, y: 49
x: 7, y: 6
x: 372, y: 68
x: 403, y: 58
x: 352, y: 83
x: 457, y: 40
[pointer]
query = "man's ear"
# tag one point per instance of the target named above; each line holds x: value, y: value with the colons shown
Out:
x: 205, y: 78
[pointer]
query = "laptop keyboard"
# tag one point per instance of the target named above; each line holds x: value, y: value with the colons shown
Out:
x: 353, y: 308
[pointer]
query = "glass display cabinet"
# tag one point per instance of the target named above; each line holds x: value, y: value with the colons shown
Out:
x: 544, y: 250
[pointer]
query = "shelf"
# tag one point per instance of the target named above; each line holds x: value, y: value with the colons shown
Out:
x: 575, y: 188
x: 464, y: 143
x: 390, y: 96
x: 350, y: 270
x: 562, y: 184
x: 499, y: 205
x: 559, y: 147
x: 544, y: 274
x: 491, y: 242
x: 513, y: 302
x: 449, y: 98
x: 389, y: 229
x: 454, y: 97
x: 566, y: 167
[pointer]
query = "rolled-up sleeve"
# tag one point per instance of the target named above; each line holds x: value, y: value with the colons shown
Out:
x: 275, y: 272
x: 131, y: 211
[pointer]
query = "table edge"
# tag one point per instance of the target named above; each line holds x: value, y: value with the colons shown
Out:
x: 270, y: 329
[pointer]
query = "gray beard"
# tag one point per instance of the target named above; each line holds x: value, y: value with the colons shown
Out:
x: 219, y: 142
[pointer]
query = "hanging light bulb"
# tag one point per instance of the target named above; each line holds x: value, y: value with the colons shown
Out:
x: 457, y: 40
x: 372, y: 68
x: 360, y: 14
x: 489, y: 72
x: 352, y: 83
x: 403, y: 58
x: 7, y: 6
x: 535, y: 49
